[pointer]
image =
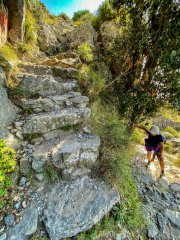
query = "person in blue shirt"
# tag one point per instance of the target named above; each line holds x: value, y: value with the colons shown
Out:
x: 154, y: 144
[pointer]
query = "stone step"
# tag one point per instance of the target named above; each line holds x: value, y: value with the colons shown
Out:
x: 46, y: 122
x: 54, y: 103
x: 40, y: 70
x: 44, y: 85
x: 73, y: 154
x: 66, y: 209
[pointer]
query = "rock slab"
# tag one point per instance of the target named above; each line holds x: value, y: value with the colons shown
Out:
x: 73, y: 207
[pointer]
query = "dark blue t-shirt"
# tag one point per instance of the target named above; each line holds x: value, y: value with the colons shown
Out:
x: 154, y: 141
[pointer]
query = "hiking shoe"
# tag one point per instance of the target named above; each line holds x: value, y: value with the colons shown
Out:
x: 148, y: 164
x: 162, y: 174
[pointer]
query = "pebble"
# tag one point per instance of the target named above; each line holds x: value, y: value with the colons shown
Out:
x: 17, y: 205
x: 9, y: 219
x: 3, y: 236
x: 24, y: 204
x: 22, y: 182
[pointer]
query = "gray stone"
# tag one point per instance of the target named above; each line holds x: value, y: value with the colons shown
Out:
x: 17, y: 205
x: 146, y: 179
x: 38, y: 166
x: 22, y: 181
x: 176, y: 142
x: 152, y: 229
x: 27, y: 225
x: 9, y: 219
x: 73, y: 207
x: 124, y: 235
x: 25, y: 165
x: 3, y: 237
x: 174, y: 217
x: 10, y: 139
x: 2, y: 78
x: 44, y: 85
x: 40, y: 177
x: 48, y: 122
x: 7, y: 110
x: 175, y: 187
x: 161, y: 222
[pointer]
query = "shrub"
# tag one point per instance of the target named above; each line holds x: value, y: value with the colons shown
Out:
x: 85, y: 53
x: 91, y: 81
x: 64, y: 16
x: 7, y: 165
x: 117, y: 151
x: 9, y: 53
x: 172, y: 131
x: 79, y: 14
x: 31, y: 28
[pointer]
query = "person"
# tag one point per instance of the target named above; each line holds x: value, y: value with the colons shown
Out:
x: 154, y: 143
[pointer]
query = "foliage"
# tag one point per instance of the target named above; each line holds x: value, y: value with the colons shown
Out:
x: 9, y: 52
x: 106, y: 12
x: 172, y: 131
x: 169, y: 113
x: 92, y: 82
x: 7, y: 165
x: 64, y: 16
x: 144, y: 57
x: 31, y: 27
x: 79, y: 14
x: 85, y: 52
x: 117, y: 151
x: 52, y: 174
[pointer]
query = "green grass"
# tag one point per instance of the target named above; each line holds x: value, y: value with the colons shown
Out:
x: 169, y: 113
x: 172, y: 131
x: 9, y: 52
x: 52, y: 173
x: 117, y: 151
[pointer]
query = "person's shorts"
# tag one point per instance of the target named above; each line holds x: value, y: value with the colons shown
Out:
x: 155, y: 149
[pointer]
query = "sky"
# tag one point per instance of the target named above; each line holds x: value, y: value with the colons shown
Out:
x: 71, y: 6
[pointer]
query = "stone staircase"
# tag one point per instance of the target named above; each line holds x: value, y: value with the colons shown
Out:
x: 52, y: 122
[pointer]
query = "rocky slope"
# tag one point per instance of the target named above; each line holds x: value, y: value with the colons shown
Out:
x: 161, y: 200
x: 52, y: 134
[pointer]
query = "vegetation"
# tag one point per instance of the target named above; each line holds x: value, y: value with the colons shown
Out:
x: 7, y: 165
x: 79, y: 14
x: 85, y: 53
x: 9, y: 53
x: 117, y: 151
x: 92, y: 82
x: 143, y: 56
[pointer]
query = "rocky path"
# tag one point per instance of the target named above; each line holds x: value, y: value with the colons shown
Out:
x: 161, y: 199
x: 54, y: 136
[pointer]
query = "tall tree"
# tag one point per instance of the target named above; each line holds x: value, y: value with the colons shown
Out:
x: 146, y: 50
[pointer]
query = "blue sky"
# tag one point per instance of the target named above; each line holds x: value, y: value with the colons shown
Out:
x: 71, y: 6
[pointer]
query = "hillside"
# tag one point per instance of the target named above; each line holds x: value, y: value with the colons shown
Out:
x: 72, y: 163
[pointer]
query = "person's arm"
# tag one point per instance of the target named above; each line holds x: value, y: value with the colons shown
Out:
x: 143, y: 128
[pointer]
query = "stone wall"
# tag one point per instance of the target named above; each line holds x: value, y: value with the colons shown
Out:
x: 3, y: 24
x: 16, y: 18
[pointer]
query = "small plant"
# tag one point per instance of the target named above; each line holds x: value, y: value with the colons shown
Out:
x: 52, y: 174
x: 79, y: 14
x: 85, y: 53
x: 92, y: 82
x: 7, y: 165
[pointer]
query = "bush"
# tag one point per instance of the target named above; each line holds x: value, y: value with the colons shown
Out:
x: 91, y: 81
x: 31, y: 28
x: 79, y: 14
x: 117, y: 151
x: 85, y: 53
x: 172, y: 131
x: 7, y: 165
x: 64, y: 16
x: 9, y: 53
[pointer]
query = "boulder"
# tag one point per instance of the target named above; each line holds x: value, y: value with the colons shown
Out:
x: 46, y: 122
x: 175, y: 187
x: 26, y: 227
x: 8, y: 111
x: 83, y: 34
x: 73, y: 207
x: 174, y: 217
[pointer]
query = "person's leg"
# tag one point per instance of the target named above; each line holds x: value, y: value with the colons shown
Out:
x: 149, y: 156
x: 161, y: 163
